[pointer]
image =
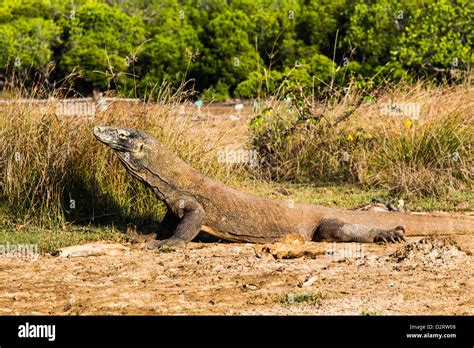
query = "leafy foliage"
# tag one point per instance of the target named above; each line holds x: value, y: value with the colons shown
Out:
x: 239, y: 48
x: 98, y: 38
x: 28, y: 42
x: 440, y: 35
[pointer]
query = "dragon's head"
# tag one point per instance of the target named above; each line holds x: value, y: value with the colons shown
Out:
x: 130, y: 144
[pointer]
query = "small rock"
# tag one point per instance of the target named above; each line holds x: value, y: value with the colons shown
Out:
x: 308, y: 282
x: 93, y: 249
x: 283, y: 191
x: 463, y: 205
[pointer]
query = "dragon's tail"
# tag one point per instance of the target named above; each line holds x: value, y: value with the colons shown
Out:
x: 415, y: 224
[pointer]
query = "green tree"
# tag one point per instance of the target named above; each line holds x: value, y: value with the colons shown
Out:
x: 28, y: 34
x: 235, y: 47
x: 173, y: 46
x: 440, y: 35
x: 97, y: 41
x: 228, y: 56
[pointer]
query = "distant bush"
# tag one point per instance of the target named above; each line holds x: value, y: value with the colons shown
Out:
x: 430, y: 156
x: 219, y: 93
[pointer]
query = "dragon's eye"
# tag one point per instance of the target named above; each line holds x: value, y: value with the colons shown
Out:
x: 122, y: 135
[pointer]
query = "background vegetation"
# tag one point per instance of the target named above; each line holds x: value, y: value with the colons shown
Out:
x: 430, y: 155
x: 234, y: 48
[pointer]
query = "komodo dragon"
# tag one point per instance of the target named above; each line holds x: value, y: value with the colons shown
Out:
x: 196, y: 203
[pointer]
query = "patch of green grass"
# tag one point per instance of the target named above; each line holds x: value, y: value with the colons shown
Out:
x: 350, y: 196
x: 307, y: 297
x: 50, y: 240
x: 167, y: 249
x: 366, y: 312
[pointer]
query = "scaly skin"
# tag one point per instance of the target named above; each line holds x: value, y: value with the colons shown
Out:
x: 196, y: 203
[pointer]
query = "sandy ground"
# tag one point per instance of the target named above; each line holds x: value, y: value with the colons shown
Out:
x: 423, y: 276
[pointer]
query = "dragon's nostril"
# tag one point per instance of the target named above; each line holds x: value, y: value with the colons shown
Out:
x: 98, y: 129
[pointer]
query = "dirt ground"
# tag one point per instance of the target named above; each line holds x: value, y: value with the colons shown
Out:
x: 424, y: 276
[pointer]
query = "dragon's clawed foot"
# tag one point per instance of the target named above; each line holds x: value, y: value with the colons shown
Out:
x: 390, y: 236
x: 170, y: 242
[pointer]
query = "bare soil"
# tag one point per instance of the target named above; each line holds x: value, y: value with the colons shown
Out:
x: 430, y: 275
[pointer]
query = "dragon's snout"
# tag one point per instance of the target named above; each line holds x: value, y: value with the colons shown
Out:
x: 98, y: 129
x: 104, y: 134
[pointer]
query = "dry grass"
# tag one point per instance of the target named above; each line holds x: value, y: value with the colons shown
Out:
x: 429, y: 156
x: 53, y: 170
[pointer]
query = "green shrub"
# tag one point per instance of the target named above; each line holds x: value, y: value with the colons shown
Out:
x: 426, y: 157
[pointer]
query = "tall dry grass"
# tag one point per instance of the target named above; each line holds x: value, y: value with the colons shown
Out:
x: 52, y: 169
x: 429, y: 156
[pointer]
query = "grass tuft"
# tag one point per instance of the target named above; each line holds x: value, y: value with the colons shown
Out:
x: 307, y: 297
